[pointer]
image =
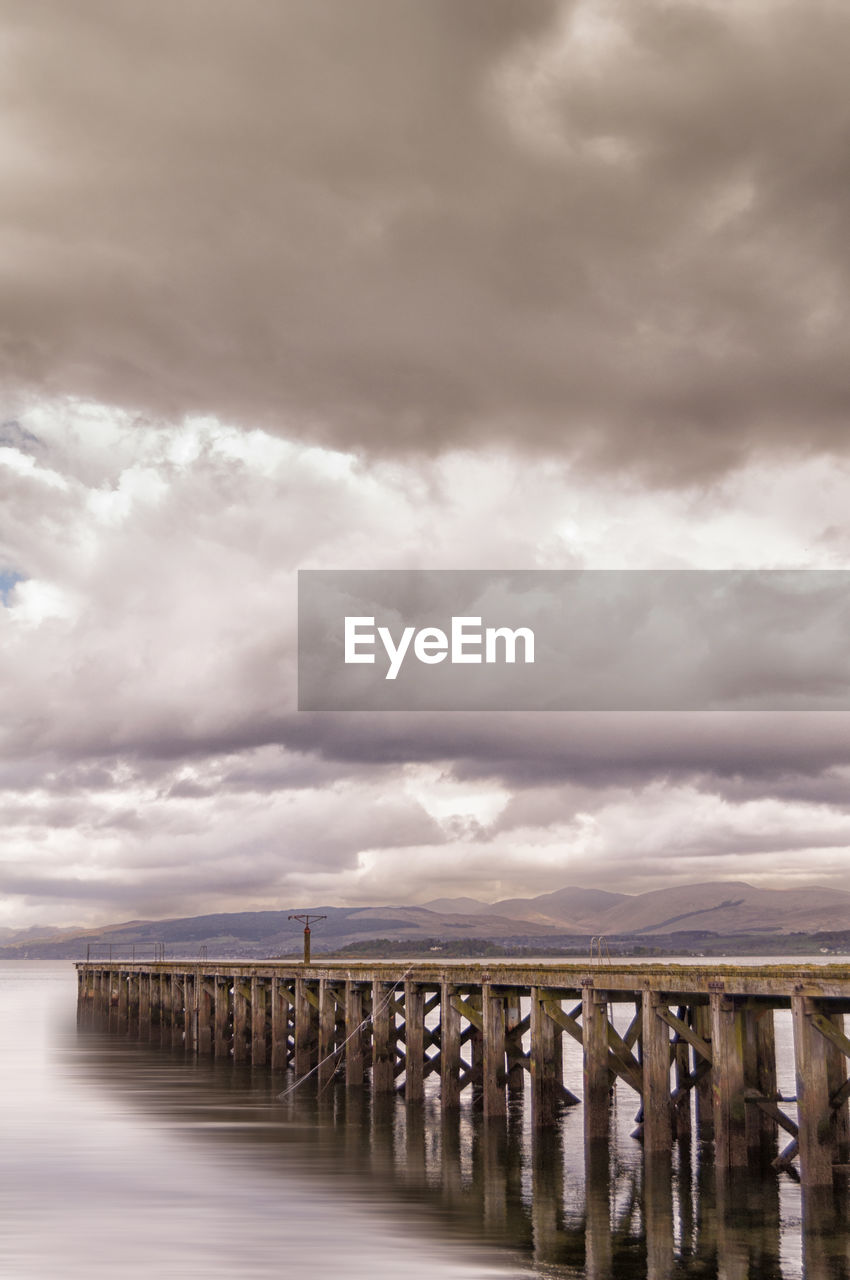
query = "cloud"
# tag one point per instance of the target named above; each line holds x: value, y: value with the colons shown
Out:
x: 401, y: 285
x: 152, y: 762
x: 611, y: 231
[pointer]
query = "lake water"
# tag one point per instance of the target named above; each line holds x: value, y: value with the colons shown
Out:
x: 124, y: 1160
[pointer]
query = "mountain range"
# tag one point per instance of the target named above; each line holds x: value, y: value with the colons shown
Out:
x: 720, y: 909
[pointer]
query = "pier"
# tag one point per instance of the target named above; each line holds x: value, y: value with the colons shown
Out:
x: 694, y: 1045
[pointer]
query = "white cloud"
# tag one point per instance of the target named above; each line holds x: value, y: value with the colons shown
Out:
x: 152, y: 761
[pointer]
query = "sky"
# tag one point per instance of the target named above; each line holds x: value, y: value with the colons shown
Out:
x: 403, y: 284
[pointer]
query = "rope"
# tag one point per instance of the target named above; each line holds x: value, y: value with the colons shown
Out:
x: 338, y: 1050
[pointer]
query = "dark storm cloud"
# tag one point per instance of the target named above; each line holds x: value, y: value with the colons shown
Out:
x: 597, y: 750
x: 617, y: 229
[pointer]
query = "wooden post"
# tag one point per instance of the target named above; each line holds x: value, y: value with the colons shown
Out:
x: 190, y: 1016
x: 449, y: 1049
x: 494, y: 1074
x: 156, y: 1007
x: 111, y: 999
x: 177, y: 1004
x: 259, y: 1017
x: 83, y: 995
x: 728, y: 1085
x: 354, y: 1033
x: 136, y: 1002
x: 597, y: 1089
x: 106, y: 992
x: 241, y: 1004
x: 414, y: 1027
x: 836, y: 1072
x: 383, y: 1039
x: 759, y: 1074
x: 681, y: 1073
x: 133, y: 1002
x: 156, y: 1003
x: 474, y: 1035
x: 657, y: 1108
x: 544, y: 1034
x: 306, y: 1040
x: 166, y: 1008
x: 94, y: 989
x: 205, y: 990
x: 163, y: 989
x: 816, y: 1129
x: 145, y: 1006
x: 123, y: 1000
x: 221, y: 1044
x: 513, y: 1039
x: 703, y: 1104
x: 108, y: 985
x: 280, y: 1023
x: 327, y: 1031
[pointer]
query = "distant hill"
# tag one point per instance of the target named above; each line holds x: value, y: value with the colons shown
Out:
x: 466, y: 906
x: 725, y: 908
x: 578, y: 910
x: 731, y: 906
x: 263, y: 933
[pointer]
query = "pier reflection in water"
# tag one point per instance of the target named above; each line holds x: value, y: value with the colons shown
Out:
x: 542, y: 1197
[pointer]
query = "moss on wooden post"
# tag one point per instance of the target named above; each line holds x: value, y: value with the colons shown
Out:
x: 281, y: 998
x: 700, y: 1020
x: 221, y: 1043
x: 204, y: 998
x: 815, y: 1123
x: 595, y: 1074
x: 657, y: 1106
x: 545, y: 1039
x: 383, y: 1039
x: 728, y: 1084
x: 240, y: 1019
x: 414, y: 1042
x: 449, y: 1049
x: 494, y: 1074
x: 306, y: 1029
x: 354, y: 1034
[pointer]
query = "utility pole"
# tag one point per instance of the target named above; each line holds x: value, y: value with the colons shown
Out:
x: 305, y: 918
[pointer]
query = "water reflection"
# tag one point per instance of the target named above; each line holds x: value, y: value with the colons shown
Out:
x: 496, y: 1182
x: 125, y: 1160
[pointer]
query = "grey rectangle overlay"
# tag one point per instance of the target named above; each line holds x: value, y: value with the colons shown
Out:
x: 573, y: 640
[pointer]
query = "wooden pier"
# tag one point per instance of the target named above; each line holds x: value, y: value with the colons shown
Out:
x: 485, y: 1030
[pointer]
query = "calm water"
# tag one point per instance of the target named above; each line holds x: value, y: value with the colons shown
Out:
x: 123, y: 1160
